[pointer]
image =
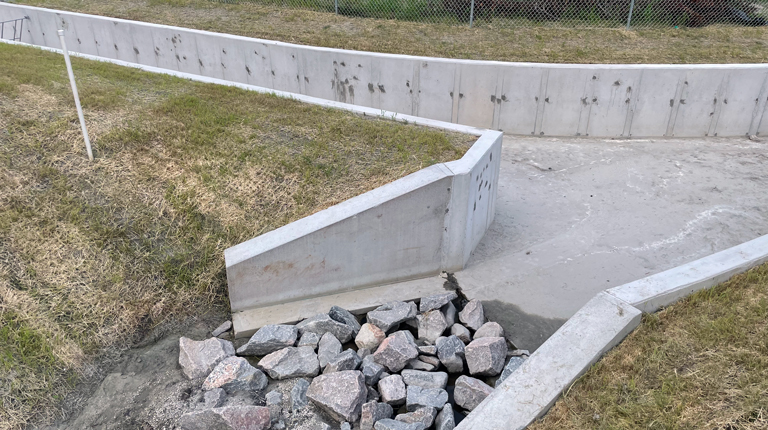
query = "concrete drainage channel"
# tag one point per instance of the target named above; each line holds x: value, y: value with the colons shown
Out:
x: 450, y: 222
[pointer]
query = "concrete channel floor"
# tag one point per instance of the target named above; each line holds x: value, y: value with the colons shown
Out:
x: 577, y: 215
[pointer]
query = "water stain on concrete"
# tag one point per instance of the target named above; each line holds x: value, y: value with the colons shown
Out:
x: 525, y: 331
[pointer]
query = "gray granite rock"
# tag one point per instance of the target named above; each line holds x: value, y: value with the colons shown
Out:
x: 396, y: 351
x: 345, y: 426
x: 470, y: 392
x: 373, y: 395
x: 214, y: 398
x: 309, y: 339
x: 450, y: 351
x: 223, y: 328
x: 371, y: 370
x: 444, y: 420
x: 433, y: 361
x: 340, y: 394
x: 428, y: 350
x: 274, y: 402
x: 485, y: 356
x: 299, y: 394
x: 425, y: 379
x: 369, y: 337
x: 437, y: 301
x: 392, y: 390
x: 489, y: 329
x: 198, y: 358
x: 226, y: 418
x: 472, y: 315
x: 419, y: 365
x: 419, y: 397
x: 390, y: 424
x: 322, y: 324
x: 345, y: 317
x: 391, y: 314
x: 431, y: 325
x: 291, y: 362
x: 347, y: 360
x: 363, y: 352
x: 235, y: 374
x: 425, y: 416
x: 328, y: 348
x: 461, y: 332
x: 449, y: 310
x: 513, y: 364
x: 269, y: 338
x: 372, y: 412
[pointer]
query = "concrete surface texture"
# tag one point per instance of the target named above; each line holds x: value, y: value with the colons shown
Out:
x: 577, y: 216
x: 519, y: 98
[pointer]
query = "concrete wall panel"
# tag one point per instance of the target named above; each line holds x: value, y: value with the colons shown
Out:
x: 433, y: 89
x: 656, y: 102
x: 743, y: 95
x: 477, y: 95
x: 519, y: 99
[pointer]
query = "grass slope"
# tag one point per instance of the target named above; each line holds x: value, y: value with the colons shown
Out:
x: 713, y: 44
x: 92, y: 254
x: 699, y: 364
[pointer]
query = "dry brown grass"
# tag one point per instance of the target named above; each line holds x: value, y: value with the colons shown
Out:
x: 713, y: 44
x: 94, y: 254
x: 700, y: 364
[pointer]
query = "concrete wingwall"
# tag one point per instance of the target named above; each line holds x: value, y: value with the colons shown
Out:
x: 518, y: 98
x: 417, y: 226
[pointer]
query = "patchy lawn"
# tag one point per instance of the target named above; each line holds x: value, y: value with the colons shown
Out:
x: 700, y: 364
x: 94, y: 254
x: 713, y: 44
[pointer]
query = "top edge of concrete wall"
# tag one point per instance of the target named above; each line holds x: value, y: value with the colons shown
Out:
x: 416, y: 57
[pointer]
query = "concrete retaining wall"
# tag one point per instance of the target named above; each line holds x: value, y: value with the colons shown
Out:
x: 519, y: 98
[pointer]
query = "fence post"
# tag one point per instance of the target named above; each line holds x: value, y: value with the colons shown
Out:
x: 629, y: 17
x: 77, y: 96
x: 336, y: 6
x: 472, y: 13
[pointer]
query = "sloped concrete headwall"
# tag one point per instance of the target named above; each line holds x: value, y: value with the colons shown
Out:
x: 519, y: 98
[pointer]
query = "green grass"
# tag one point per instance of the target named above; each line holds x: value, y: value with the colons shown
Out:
x: 699, y: 364
x: 506, y: 38
x: 94, y: 254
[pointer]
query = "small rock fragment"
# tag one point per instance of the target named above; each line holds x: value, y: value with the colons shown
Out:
x: 396, y: 351
x: 437, y: 301
x: 431, y: 325
x: 444, y: 420
x: 347, y: 360
x: 489, y: 329
x: 392, y: 390
x: 461, y: 332
x: 340, y: 394
x: 420, y: 397
x: 274, y: 400
x: 214, y: 398
x: 391, y: 314
x: 299, y: 394
x: 449, y: 310
x: 223, y: 328
x: 512, y: 365
x: 485, y: 356
x: 390, y: 424
x: 518, y: 353
x: 345, y: 317
x: 322, y: 324
x: 372, y: 412
x: 198, y: 358
x: 270, y: 338
x: 369, y: 337
x: 328, y: 348
x: 291, y: 362
x: 470, y: 392
x: 227, y: 418
x: 425, y: 416
x: 345, y: 426
x: 428, y: 350
x: 472, y: 315
x: 235, y: 374
x: 419, y: 365
x: 309, y: 339
x: 450, y: 351
x: 425, y: 379
x: 371, y: 370
x: 373, y: 395
x: 433, y: 361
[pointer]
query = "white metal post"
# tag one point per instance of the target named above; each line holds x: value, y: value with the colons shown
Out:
x: 74, y: 92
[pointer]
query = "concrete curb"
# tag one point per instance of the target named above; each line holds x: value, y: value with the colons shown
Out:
x: 601, y: 324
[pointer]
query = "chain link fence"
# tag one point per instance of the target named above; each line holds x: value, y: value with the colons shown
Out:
x: 559, y: 13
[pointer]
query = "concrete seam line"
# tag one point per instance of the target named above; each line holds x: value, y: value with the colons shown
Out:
x: 662, y: 289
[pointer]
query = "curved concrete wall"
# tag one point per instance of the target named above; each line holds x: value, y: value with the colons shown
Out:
x: 518, y: 98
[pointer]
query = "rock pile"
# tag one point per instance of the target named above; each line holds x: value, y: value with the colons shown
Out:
x: 405, y: 367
